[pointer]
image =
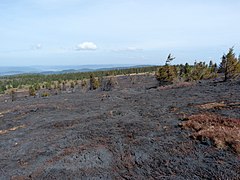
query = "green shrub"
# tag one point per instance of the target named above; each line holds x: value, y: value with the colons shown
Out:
x: 94, y: 82
x: 72, y: 84
x: 32, y: 91
x: 166, y: 74
x: 84, y: 83
x: 45, y: 94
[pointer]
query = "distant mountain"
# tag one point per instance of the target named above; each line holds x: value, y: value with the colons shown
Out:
x: 66, y: 71
x: 17, y: 70
x: 4, y: 71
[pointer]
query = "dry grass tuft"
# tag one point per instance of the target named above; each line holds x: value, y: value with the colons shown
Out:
x: 11, y: 129
x: 219, y: 105
x: 212, y: 105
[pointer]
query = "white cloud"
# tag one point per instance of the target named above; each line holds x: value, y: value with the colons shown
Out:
x: 86, y: 46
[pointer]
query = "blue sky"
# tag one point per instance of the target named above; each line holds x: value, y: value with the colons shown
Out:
x: 76, y: 32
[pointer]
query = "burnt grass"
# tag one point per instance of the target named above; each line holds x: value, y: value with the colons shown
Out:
x: 127, y: 133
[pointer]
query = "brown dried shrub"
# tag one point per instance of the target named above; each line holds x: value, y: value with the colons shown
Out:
x: 222, y: 131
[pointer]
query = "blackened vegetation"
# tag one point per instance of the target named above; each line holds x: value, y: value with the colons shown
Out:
x: 109, y: 84
x: 127, y: 133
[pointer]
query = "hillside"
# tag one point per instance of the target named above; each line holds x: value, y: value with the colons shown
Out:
x: 134, y: 131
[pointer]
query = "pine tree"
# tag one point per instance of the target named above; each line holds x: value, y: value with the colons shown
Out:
x: 167, y: 73
x: 222, y: 65
x: 232, y: 65
x: 210, y: 64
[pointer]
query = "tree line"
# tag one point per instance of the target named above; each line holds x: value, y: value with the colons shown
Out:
x: 229, y: 67
x: 38, y: 81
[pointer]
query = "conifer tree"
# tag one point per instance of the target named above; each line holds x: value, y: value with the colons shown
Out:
x: 167, y: 73
x: 222, y: 65
x: 231, y: 65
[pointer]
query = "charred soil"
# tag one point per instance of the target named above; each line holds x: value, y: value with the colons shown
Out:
x: 180, y: 132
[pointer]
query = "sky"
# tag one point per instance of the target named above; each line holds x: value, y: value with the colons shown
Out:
x: 79, y: 32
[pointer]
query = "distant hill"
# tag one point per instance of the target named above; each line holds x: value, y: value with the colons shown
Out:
x: 11, y: 70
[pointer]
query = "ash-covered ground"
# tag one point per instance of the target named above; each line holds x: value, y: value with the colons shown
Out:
x: 131, y: 132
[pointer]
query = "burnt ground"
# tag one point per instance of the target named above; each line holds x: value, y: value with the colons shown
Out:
x: 126, y: 133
